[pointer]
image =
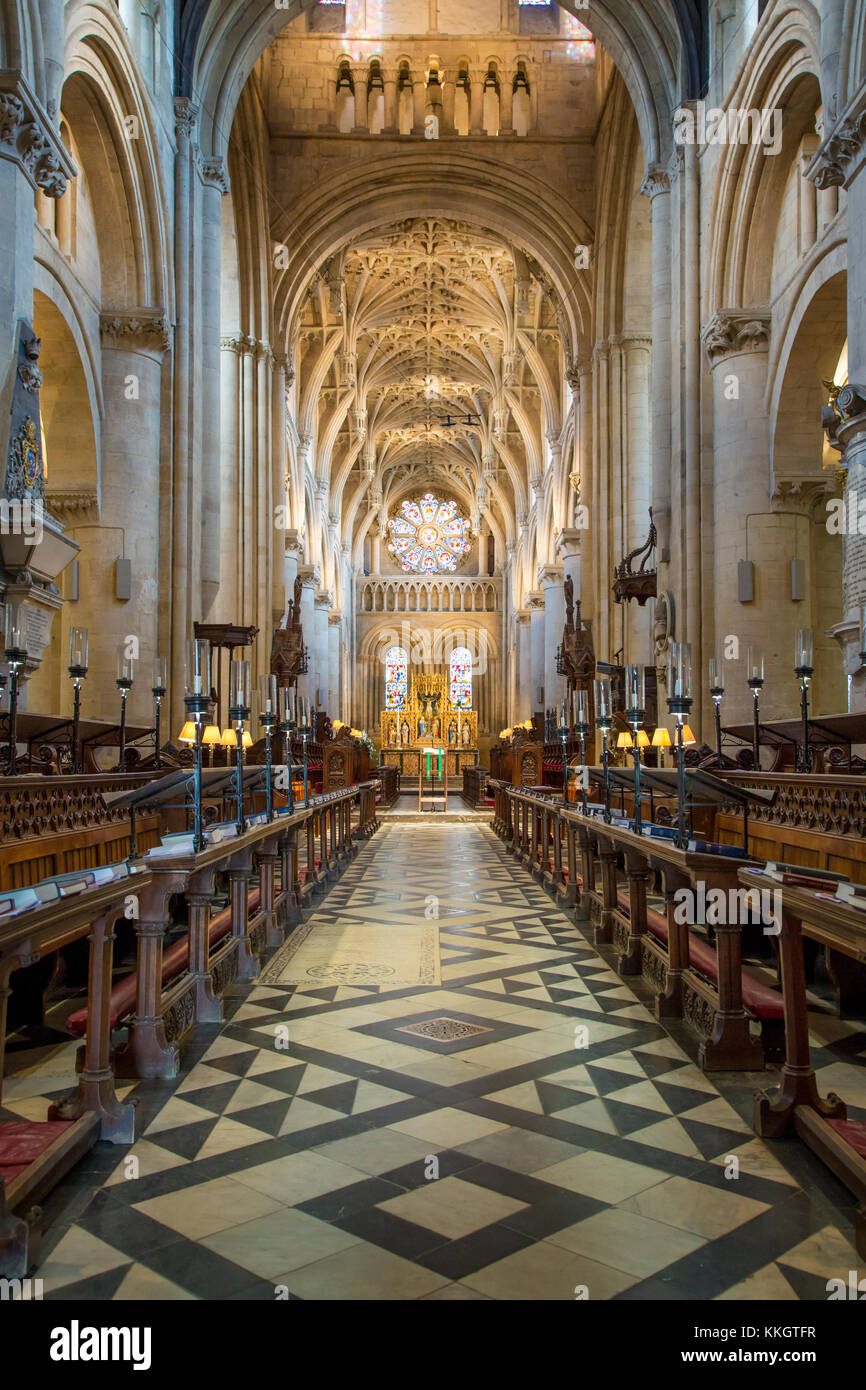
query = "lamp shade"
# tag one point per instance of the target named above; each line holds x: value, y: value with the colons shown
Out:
x: 717, y: 676
x: 211, y: 734
x: 624, y: 740
x: 267, y: 695
x: 187, y: 733
x: 688, y: 736
x: 78, y: 648
x: 643, y: 738
x: 661, y: 737
x: 160, y: 674
x: 229, y: 739
x: 603, y: 700
x: 197, y: 666
x: 247, y: 740
x: 635, y: 690
x: 754, y: 666
x: 804, y: 648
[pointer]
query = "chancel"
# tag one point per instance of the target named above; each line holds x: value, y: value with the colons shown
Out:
x: 433, y: 684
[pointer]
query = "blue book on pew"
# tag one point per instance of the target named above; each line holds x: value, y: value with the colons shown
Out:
x: 708, y: 847
x: 18, y: 900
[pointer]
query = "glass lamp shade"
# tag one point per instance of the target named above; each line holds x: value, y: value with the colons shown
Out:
x: 635, y: 688
x: 197, y: 666
x: 288, y: 704
x: 643, y: 740
x: 239, y: 685
x: 717, y: 676
x: 211, y: 734
x: 688, y: 736
x: 624, y: 740
x: 78, y: 649
x: 267, y: 695
x: 581, y: 698
x: 680, y: 671
x: 14, y: 628
x: 804, y: 650
x: 229, y: 739
x: 603, y: 700
x: 160, y: 673
x: 754, y: 666
x: 661, y: 737
x: 187, y: 733
x: 125, y: 669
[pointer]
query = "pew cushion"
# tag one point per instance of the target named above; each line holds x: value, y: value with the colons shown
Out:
x: 22, y: 1142
x: 853, y: 1132
x: 758, y: 998
x: 174, y: 962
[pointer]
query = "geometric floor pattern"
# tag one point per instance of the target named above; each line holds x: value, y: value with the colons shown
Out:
x: 523, y: 1130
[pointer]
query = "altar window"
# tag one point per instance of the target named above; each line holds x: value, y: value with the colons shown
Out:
x: 461, y: 678
x: 396, y: 678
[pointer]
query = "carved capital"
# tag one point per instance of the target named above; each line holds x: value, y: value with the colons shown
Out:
x: 135, y: 329
x: 837, y: 157
x: 656, y: 180
x: 732, y: 331
x: 185, y: 117
x: 214, y: 174
x: 30, y: 138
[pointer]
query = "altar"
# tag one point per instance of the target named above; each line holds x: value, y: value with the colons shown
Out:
x: 426, y: 715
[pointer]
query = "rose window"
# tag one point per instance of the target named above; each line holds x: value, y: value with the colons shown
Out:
x: 429, y: 536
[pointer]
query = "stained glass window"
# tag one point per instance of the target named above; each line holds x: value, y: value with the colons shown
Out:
x: 461, y: 678
x: 396, y: 678
x: 429, y: 536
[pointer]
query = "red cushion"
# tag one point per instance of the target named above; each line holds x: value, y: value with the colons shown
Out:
x: 174, y: 962
x: 853, y: 1132
x: 22, y: 1141
x: 758, y: 998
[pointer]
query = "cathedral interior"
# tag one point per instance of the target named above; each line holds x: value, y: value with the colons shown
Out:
x: 433, y: 695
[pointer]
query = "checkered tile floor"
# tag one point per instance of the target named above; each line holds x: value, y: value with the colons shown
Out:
x: 524, y: 1129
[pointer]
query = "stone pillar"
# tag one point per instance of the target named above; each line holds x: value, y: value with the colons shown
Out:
x: 309, y: 581
x: 523, y: 644
x: 476, y: 100
x: 448, y: 94
x: 841, y: 163
x: 215, y: 184
x: 359, y: 76
x: 389, y: 81
x: 319, y: 651
x: 291, y: 561
x: 568, y: 548
x: 419, y: 101
x: 32, y: 156
x: 656, y: 186
x: 376, y: 553
x: 849, y: 431
x: 186, y: 535
x: 535, y: 602
x: 133, y: 344
x: 744, y: 522
x: 552, y: 578
x: 335, y: 634
x: 482, y: 551
x: 506, y: 103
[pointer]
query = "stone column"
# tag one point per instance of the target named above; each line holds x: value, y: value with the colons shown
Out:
x: 186, y: 535
x: 32, y: 157
x: 335, y: 634
x: 133, y: 344
x: 506, y: 104
x: 448, y: 94
x: 476, y: 100
x: 309, y: 580
x: 523, y: 644
x: 744, y: 522
x: 552, y: 578
x: 319, y: 652
x: 215, y: 184
x: 848, y: 430
x: 359, y: 76
x: 841, y: 163
x: 389, y: 81
x: 291, y: 560
x: 535, y: 602
x: 656, y: 185
x: 568, y: 548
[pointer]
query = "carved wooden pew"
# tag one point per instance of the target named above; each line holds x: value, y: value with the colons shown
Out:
x: 170, y: 990
x: 36, y: 1155
x: 795, y: 1104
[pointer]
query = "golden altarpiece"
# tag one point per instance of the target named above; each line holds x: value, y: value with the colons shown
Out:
x: 427, y: 719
